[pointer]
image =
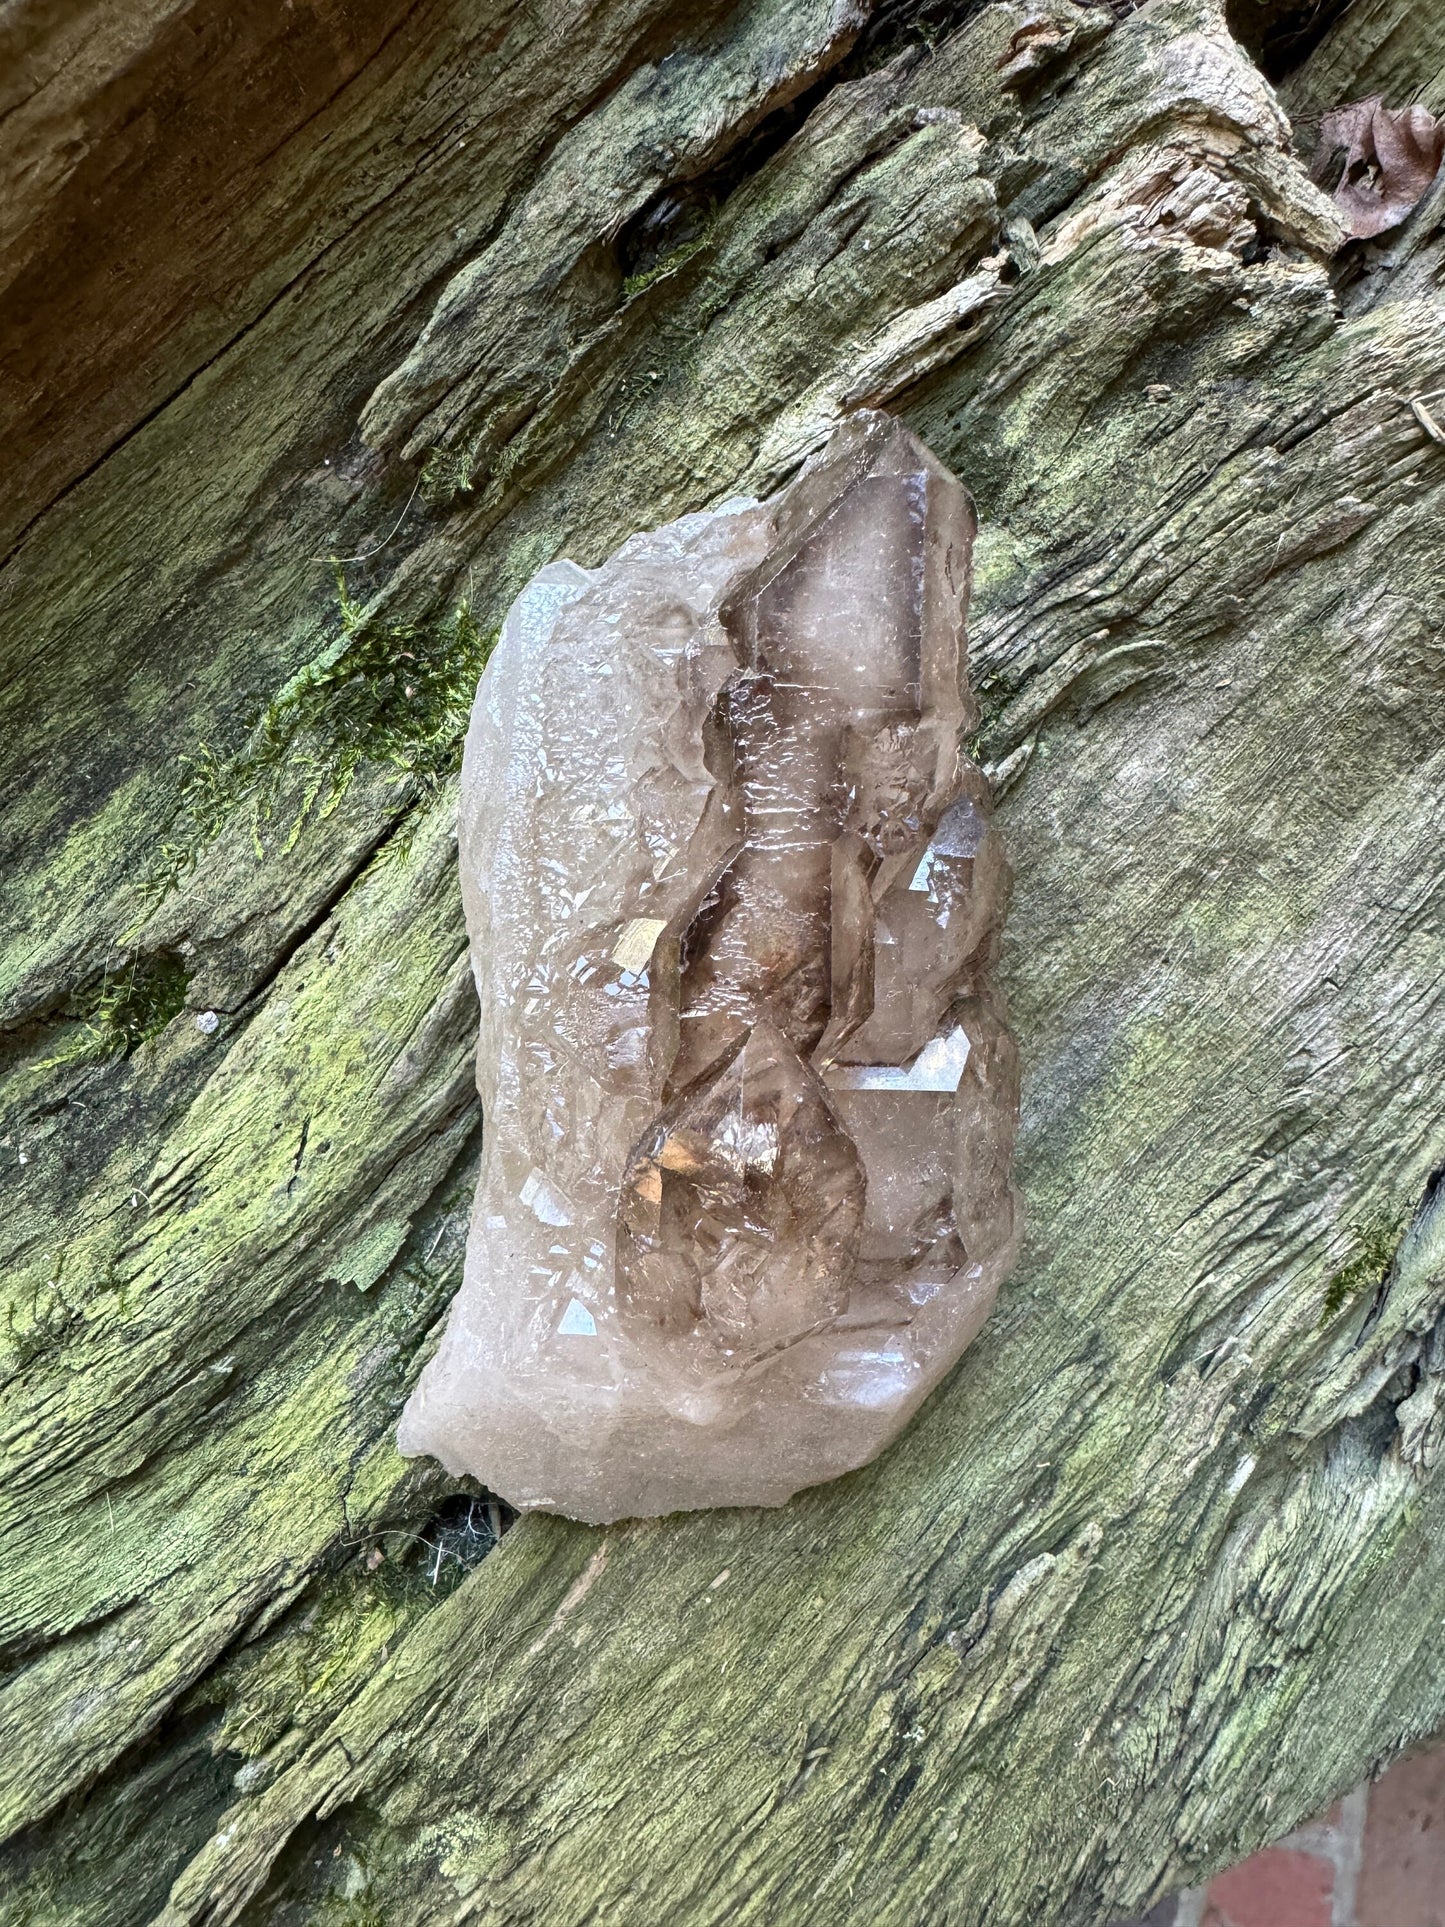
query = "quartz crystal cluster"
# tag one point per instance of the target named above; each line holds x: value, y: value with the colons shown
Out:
x: 734, y: 897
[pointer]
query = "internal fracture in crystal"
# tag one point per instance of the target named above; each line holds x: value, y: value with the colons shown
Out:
x: 735, y: 899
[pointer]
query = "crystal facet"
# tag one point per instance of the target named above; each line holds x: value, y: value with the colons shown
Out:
x: 734, y: 897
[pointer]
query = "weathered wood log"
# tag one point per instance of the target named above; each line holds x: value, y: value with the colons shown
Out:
x: 443, y: 292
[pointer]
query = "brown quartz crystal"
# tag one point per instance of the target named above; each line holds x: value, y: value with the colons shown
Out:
x: 734, y: 898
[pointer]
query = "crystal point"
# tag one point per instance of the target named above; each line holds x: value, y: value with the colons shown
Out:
x: 734, y: 896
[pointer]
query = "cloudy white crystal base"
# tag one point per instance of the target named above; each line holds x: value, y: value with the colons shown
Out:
x: 734, y: 898
x: 651, y: 1448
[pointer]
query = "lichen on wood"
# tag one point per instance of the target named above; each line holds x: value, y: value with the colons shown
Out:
x: 1157, y: 1573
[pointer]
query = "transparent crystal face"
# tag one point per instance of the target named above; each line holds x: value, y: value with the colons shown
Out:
x: 742, y: 1207
x: 735, y: 897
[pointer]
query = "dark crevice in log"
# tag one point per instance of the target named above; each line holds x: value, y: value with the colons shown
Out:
x: 1281, y: 34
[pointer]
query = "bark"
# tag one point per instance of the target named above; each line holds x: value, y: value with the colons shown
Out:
x: 448, y: 291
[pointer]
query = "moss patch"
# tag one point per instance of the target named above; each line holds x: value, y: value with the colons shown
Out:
x: 1375, y: 1246
x: 126, y: 1008
x: 391, y: 694
x: 447, y: 473
x: 669, y: 264
x: 326, y: 1649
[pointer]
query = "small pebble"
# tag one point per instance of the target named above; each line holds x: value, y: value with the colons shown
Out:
x: 1158, y: 391
x: 207, y: 1023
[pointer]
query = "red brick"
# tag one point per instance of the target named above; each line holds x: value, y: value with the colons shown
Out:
x: 1276, y: 1888
x: 1402, y: 1873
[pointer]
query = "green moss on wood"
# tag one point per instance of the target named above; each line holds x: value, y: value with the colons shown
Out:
x: 447, y: 473
x: 1375, y: 1245
x: 304, y: 1672
x: 129, y: 1006
x: 392, y: 694
x: 674, y: 259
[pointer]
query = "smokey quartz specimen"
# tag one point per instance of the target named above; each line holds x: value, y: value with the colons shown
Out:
x: 734, y: 897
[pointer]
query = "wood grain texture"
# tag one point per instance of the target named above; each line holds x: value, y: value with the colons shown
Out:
x: 1157, y: 1574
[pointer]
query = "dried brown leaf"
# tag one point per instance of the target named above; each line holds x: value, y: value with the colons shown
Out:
x: 1390, y: 158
